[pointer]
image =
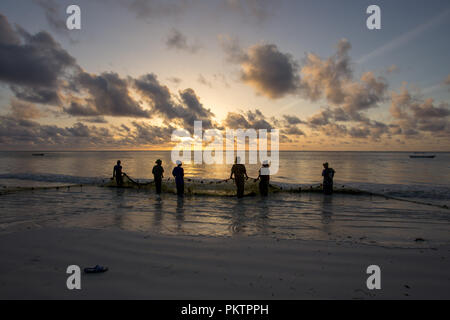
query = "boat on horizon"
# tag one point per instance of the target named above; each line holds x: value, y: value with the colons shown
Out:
x: 422, y: 155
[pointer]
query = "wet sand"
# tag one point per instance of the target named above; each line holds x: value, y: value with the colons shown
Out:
x: 154, y: 266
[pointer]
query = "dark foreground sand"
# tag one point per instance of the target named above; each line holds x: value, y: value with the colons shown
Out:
x: 152, y: 266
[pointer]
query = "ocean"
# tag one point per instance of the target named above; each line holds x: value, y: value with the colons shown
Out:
x: 373, y: 220
x: 389, y: 173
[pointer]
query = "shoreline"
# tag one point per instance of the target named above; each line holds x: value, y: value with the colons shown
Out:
x: 339, y: 189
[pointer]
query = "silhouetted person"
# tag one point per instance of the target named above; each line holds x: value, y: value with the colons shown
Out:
x: 328, y: 175
x: 178, y: 173
x: 239, y: 172
x: 158, y: 174
x: 264, y: 179
x: 117, y: 173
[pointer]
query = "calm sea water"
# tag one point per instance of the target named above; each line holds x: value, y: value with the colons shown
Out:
x: 391, y: 173
x: 309, y: 216
x: 371, y: 220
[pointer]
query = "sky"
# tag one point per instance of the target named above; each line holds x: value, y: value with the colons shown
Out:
x: 138, y: 70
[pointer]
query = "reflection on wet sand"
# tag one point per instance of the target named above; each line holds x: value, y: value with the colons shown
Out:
x: 284, y: 216
x: 327, y: 214
x: 262, y: 219
x: 180, y: 213
x: 158, y: 214
x: 238, y: 217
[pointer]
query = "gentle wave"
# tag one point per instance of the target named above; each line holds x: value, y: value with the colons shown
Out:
x: 419, y: 191
x: 48, y: 177
x: 432, y: 192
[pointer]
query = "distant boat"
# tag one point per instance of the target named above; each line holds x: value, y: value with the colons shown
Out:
x: 422, y: 155
x: 38, y: 154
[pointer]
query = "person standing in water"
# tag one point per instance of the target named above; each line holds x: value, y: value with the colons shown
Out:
x: 178, y: 173
x: 328, y: 175
x: 239, y: 172
x: 264, y: 179
x: 158, y: 174
x: 117, y: 173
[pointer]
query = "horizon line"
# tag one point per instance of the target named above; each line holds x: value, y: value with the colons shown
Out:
x: 169, y: 150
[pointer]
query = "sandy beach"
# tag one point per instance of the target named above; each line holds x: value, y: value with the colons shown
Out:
x: 289, y: 246
x: 152, y: 266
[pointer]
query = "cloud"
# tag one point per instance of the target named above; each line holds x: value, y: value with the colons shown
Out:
x: 32, y: 65
x: 428, y: 110
x: 109, y: 95
x: 24, y: 110
x: 257, y: 120
x: 365, y: 94
x: 447, y: 81
x: 404, y: 105
x: 147, y: 134
x: 236, y: 120
x: 334, y: 130
x: 76, y: 108
x: 217, y: 78
x: 337, y: 122
x: 178, y: 41
x: 38, y: 70
x: 220, y: 77
x: 22, y: 133
x: 26, y: 133
x: 414, y: 115
x: 359, y: 132
x: 194, y: 110
x: 292, y: 120
x: 250, y: 10
x: 233, y: 51
x: 326, y: 78
x: 393, y: 68
x: 175, y: 80
x: 8, y: 36
x: 158, y: 95
x: 276, y: 74
x: 259, y: 10
x: 332, y: 79
x: 269, y: 71
x: 248, y: 120
x: 156, y: 9
x: 55, y: 15
x: 329, y: 115
x: 164, y: 104
x: 201, y: 79
x: 37, y: 94
x: 192, y: 101
x: 321, y: 118
x: 293, y: 130
x: 348, y: 99
x: 98, y: 119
